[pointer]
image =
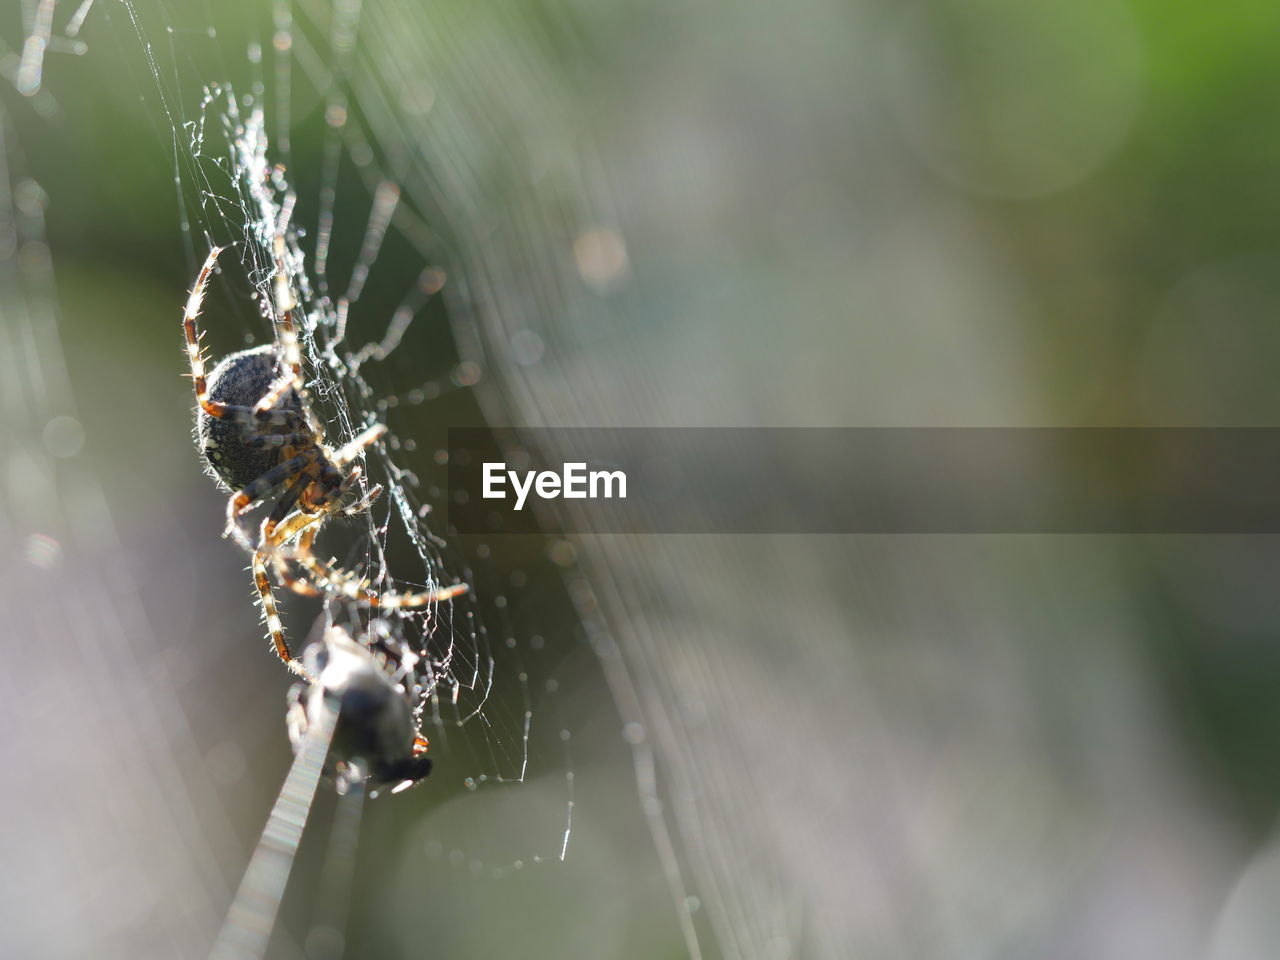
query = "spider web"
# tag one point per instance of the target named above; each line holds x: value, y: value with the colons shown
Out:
x: 457, y: 676
x: 247, y: 159
x: 236, y: 189
x: 281, y: 142
x: 837, y: 748
x: 316, y: 111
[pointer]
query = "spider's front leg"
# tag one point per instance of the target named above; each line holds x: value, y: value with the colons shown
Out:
x: 195, y: 353
x: 286, y: 334
x: 274, y: 414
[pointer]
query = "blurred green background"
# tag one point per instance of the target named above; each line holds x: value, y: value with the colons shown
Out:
x: 980, y: 213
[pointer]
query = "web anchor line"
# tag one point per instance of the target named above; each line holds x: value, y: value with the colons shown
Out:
x: 252, y: 916
x: 354, y: 722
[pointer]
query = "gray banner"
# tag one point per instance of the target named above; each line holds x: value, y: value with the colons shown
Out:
x: 869, y: 480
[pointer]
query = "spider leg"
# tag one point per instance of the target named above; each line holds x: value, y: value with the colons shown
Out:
x: 336, y: 581
x: 301, y: 440
x: 412, y: 601
x: 305, y: 526
x: 357, y: 444
x: 364, y: 503
x: 308, y: 524
x: 251, y: 417
x: 195, y: 357
x: 195, y: 354
x: 286, y: 336
x: 279, y: 564
x: 242, y: 502
x: 274, y: 532
x: 298, y: 585
x: 281, y: 510
x: 274, y: 625
x: 286, y: 578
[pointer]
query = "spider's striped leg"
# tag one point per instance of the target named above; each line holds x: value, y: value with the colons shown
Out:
x: 335, y: 580
x: 274, y: 626
x: 331, y: 579
x: 276, y: 529
x: 412, y: 601
x: 195, y: 355
x: 290, y: 581
x: 257, y: 422
x: 242, y: 502
x: 364, y: 503
x: 353, y: 448
x: 280, y: 562
x: 308, y: 524
x: 298, y: 523
x: 281, y: 509
x: 286, y: 333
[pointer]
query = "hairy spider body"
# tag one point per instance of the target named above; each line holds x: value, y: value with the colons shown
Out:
x: 235, y: 455
x: 258, y: 435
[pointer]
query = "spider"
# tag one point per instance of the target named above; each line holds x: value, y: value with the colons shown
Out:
x: 259, y: 435
x: 376, y: 738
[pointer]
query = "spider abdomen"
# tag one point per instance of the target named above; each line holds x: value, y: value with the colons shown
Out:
x: 238, y: 453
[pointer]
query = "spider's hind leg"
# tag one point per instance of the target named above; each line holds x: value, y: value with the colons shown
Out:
x: 276, y: 530
x: 274, y: 625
